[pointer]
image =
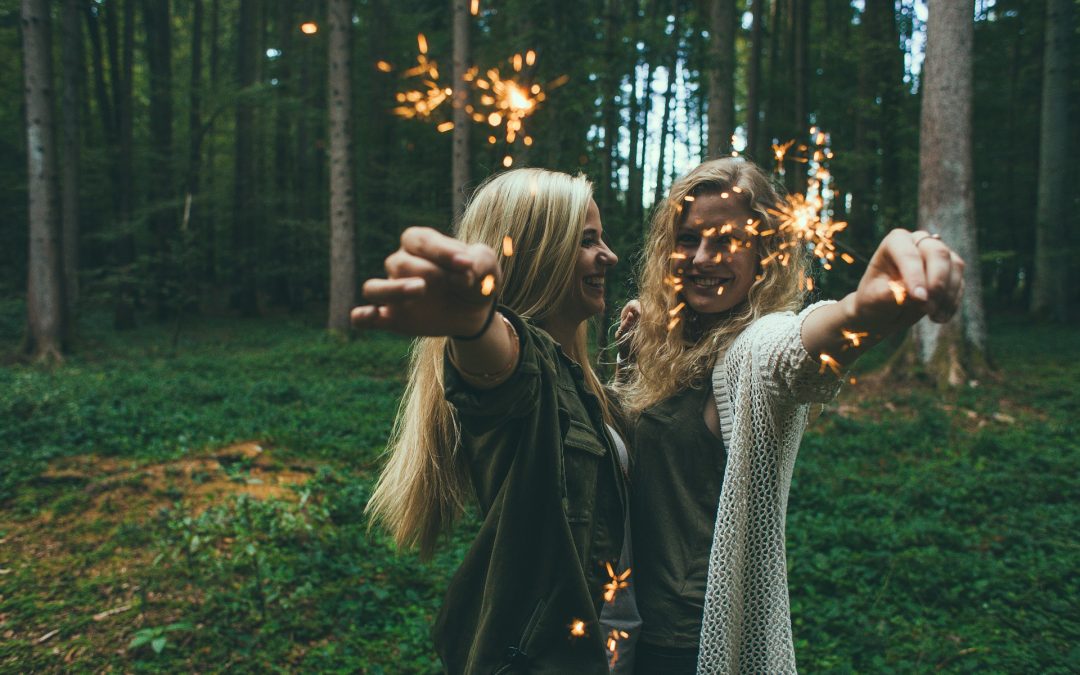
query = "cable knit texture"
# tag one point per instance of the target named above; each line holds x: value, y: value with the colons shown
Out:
x: 764, y: 386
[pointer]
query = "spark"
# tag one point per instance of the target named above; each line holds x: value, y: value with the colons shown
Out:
x: 898, y: 291
x: 853, y: 337
x: 421, y: 43
x: 487, y: 286
x: 617, y: 583
x: 309, y: 28
x: 846, y: 257
x: 613, y: 645
x: 724, y: 195
x: 577, y: 628
x: 530, y: 59
x: 445, y: 126
x: 508, y: 246
x: 720, y: 291
x: 678, y: 256
x: 674, y: 322
x: 801, y: 219
x: 779, y: 151
x: 474, y: 7
x: 508, y: 161
x: 688, y: 198
x: 709, y: 232
x: 384, y: 66
x: 828, y: 362
x: 675, y: 310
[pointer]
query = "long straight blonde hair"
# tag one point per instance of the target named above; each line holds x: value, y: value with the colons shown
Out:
x: 669, y: 360
x: 425, y: 485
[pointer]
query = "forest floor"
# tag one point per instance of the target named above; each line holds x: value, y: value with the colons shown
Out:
x: 192, y: 501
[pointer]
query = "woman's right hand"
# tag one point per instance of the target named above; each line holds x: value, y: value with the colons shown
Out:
x: 435, y: 285
x: 631, y: 312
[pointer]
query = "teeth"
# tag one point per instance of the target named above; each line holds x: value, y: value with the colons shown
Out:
x: 709, y: 282
x: 595, y: 282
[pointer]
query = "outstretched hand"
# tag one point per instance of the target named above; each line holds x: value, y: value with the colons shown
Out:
x: 911, y: 275
x: 435, y: 285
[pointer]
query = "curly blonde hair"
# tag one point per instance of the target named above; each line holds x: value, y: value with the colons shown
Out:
x: 670, y: 360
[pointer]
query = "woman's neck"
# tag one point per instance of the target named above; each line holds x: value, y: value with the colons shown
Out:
x: 564, y: 332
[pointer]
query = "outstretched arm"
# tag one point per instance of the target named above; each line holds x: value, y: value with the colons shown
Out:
x: 911, y: 275
x: 439, y: 286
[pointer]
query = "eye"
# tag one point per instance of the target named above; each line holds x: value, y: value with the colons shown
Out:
x: 687, y: 239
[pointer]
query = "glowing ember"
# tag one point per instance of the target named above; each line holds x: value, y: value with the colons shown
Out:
x: 675, y: 310
x: 577, y: 628
x: 613, y: 646
x: 507, y: 161
x: 445, y: 126
x: 421, y: 43
x: 474, y: 7
x: 688, y: 198
x: 384, y: 66
x: 674, y: 322
x: 720, y: 291
x: 854, y: 338
x: 309, y: 28
x: 898, y: 291
x: 779, y: 151
x: 508, y: 246
x: 828, y: 362
x: 487, y: 286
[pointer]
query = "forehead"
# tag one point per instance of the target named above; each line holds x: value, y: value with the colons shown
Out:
x: 592, y: 217
x: 714, y: 209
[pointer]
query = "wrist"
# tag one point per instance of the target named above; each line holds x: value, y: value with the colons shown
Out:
x: 483, y: 328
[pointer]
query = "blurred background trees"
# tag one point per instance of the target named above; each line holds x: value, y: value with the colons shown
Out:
x: 198, y: 142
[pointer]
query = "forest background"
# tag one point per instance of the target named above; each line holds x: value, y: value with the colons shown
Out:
x: 188, y: 432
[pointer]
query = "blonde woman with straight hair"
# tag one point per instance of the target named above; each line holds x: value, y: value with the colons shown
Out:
x: 502, y: 409
x: 722, y: 369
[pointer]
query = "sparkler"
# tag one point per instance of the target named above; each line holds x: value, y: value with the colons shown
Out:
x: 898, y: 290
x: 828, y: 362
x: 487, y: 286
x: 577, y: 628
x: 501, y: 102
x: 854, y: 338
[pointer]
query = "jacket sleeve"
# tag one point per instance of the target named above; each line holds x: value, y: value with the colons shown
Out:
x: 780, y: 360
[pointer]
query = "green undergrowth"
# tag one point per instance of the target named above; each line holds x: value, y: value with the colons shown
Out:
x: 925, y: 532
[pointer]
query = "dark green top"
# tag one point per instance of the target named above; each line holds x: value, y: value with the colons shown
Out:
x: 676, y: 476
x: 551, y: 498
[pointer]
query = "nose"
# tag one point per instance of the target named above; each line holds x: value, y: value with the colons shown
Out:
x: 705, y: 254
x: 607, y: 256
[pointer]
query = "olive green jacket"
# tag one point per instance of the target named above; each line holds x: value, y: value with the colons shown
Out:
x: 551, y: 499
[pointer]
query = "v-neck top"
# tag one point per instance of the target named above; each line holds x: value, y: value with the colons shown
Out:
x: 676, y: 477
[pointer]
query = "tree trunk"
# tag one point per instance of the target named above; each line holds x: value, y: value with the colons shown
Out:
x: 122, y: 50
x: 162, y: 213
x: 672, y: 67
x: 71, y: 50
x: 1049, y: 290
x: 244, y: 298
x: 801, y: 58
x: 342, y: 218
x: 953, y: 353
x: 194, y: 161
x: 462, y: 123
x: 609, y: 93
x: 753, y: 84
x: 45, y: 288
x: 721, y: 77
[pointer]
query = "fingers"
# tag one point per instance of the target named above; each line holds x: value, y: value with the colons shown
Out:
x: 444, y: 251
x: 908, y: 261
x: 384, y: 291
x: 938, y: 263
x: 947, y: 304
x: 368, y: 317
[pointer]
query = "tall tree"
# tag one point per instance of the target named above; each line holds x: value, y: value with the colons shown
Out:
x: 801, y: 70
x: 1049, y: 289
x: 610, y: 81
x: 244, y: 297
x: 342, y: 216
x: 162, y: 217
x: 753, y: 84
x: 954, y: 352
x: 721, y: 77
x: 669, y: 95
x: 462, y: 123
x: 45, y: 289
x: 71, y: 54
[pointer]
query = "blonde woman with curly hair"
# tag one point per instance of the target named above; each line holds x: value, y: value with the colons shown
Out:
x: 502, y: 409
x: 723, y: 365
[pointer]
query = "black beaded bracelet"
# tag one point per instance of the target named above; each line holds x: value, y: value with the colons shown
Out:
x: 487, y: 324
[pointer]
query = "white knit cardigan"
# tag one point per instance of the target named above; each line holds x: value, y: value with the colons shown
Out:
x: 763, y: 386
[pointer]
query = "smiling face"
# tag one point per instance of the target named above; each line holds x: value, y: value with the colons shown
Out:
x: 714, y: 254
x: 585, y: 297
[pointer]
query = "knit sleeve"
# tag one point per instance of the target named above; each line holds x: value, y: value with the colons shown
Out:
x: 782, y: 364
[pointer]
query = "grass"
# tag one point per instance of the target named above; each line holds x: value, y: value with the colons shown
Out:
x: 194, y: 503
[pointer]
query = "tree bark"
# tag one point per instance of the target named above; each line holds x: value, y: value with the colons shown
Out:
x: 1049, y: 289
x: 721, y: 77
x: 342, y: 216
x: 609, y: 82
x: 801, y: 62
x: 245, y: 298
x: 753, y: 85
x: 45, y: 288
x: 71, y: 50
x: 672, y: 74
x: 162, y: 212
x: 955, y: 352
x: 462, y: 123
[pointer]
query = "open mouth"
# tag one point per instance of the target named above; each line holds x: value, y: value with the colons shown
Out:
x: 595, y: 281
x: 710, y: 282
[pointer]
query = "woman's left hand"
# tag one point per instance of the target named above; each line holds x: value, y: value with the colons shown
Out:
x: 911, y: 275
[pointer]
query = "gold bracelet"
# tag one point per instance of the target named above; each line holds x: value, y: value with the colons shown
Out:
x: 486, y: 378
